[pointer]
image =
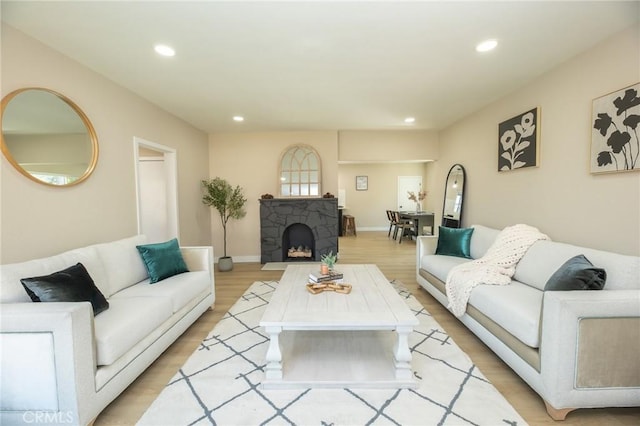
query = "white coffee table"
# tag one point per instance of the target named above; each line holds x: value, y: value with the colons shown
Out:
x: 338, y: 340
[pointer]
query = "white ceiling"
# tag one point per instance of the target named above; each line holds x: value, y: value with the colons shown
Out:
x: 320, y: 65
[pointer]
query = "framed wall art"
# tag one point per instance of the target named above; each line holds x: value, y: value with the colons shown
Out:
x: 615, y: 119
x: 362, y: 183
x: 519, y: 141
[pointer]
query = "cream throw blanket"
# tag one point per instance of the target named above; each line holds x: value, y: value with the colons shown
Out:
x: 496, y: 267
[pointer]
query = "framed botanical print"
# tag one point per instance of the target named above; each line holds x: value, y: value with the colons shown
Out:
x: 519, y: 141
x: 362, y: 183
x: 615, y: 122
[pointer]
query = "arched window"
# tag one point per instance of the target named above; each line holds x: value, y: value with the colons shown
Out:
x: 300, y: 172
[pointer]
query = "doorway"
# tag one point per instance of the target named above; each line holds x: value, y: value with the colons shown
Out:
x: 156, y: 190
x: 406, y: 184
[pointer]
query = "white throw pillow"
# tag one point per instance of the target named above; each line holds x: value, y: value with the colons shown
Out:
x: 12, y: 291
x: 122, y: 263
x: 481, y: 239
x: 89, y: 257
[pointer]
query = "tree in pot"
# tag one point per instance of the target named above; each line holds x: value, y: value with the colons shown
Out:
x: 229, y: 202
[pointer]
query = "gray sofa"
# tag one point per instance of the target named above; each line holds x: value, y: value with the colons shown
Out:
x: 62, y: 365
x: 576, y: 349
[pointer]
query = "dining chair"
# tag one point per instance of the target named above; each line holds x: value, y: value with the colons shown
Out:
x: 392, y: 222
x: 404, y: 225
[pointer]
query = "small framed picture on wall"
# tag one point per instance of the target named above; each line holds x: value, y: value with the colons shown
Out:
x: 362, y: 183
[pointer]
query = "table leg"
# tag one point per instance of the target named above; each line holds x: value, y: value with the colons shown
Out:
x: 402, y: 354
x: 274, y: 355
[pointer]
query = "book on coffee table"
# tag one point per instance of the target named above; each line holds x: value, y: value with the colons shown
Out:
x: 318, y: 277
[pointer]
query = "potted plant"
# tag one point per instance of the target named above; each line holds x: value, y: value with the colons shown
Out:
x: 328, y: 260
x: 229, y: 202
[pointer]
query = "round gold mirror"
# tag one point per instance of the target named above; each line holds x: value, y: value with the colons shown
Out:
x: 47, y: 137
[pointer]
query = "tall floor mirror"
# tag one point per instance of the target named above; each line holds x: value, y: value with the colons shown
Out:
x: 453, y: 197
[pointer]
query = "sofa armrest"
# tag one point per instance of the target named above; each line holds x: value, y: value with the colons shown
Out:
x: 200, y: 259
x: 590, y: 342
x: 47, y: 362
x: 425, y: 244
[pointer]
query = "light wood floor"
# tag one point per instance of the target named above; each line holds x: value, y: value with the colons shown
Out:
x: 397, y: 261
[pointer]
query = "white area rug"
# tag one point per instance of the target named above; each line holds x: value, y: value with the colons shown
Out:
x: 220, y: 382
x: 281, y: 266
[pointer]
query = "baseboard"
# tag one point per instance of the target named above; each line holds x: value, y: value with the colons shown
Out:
x: 243, y: 259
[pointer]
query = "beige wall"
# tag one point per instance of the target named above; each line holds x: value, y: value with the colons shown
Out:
x: 251, y: 160
x: 369, y: 207
x: 382, y: 155
x: 560, y: 197
x: 388, y: 145
x: 38, y: 220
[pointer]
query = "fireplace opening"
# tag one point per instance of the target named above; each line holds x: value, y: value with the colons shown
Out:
x: 298, y: 243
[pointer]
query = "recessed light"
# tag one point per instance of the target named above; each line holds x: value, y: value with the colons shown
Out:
x: 410, y: 120
x: 164, y: 50
x: 486, y: 45
x: 238, y: 118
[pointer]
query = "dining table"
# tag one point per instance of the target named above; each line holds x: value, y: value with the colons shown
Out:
x: 420, y: 220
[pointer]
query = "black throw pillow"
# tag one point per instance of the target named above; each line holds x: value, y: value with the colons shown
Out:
x: 73, y: 284
x: 577, y: 273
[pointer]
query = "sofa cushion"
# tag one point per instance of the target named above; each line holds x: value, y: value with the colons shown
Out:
x: 179, y: 289
x: 515, y: 307
x: 439, y: 266
x: 127, y: 322
x: 122, y: 262
x: 162, y: 260
x: 482, y: 238
x: 544, y: 258
x: 73, y: 284
x: 577, y: 273
x: 90, y: 258
x: 454, y: 241
x: 12, y: 291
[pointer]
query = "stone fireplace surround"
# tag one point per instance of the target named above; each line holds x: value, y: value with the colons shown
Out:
x: 278, y: 214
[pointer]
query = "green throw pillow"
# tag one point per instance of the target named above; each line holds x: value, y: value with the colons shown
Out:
x: 162, y: 260
x: 454, y: 242
x: 577, y: 273
x: 73, y: 284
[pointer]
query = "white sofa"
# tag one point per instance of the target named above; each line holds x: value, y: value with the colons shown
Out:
x: 59, y: 364
x: 576, y: 349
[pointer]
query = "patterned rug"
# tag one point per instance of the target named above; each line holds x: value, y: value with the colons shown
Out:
x: 220, y: 383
